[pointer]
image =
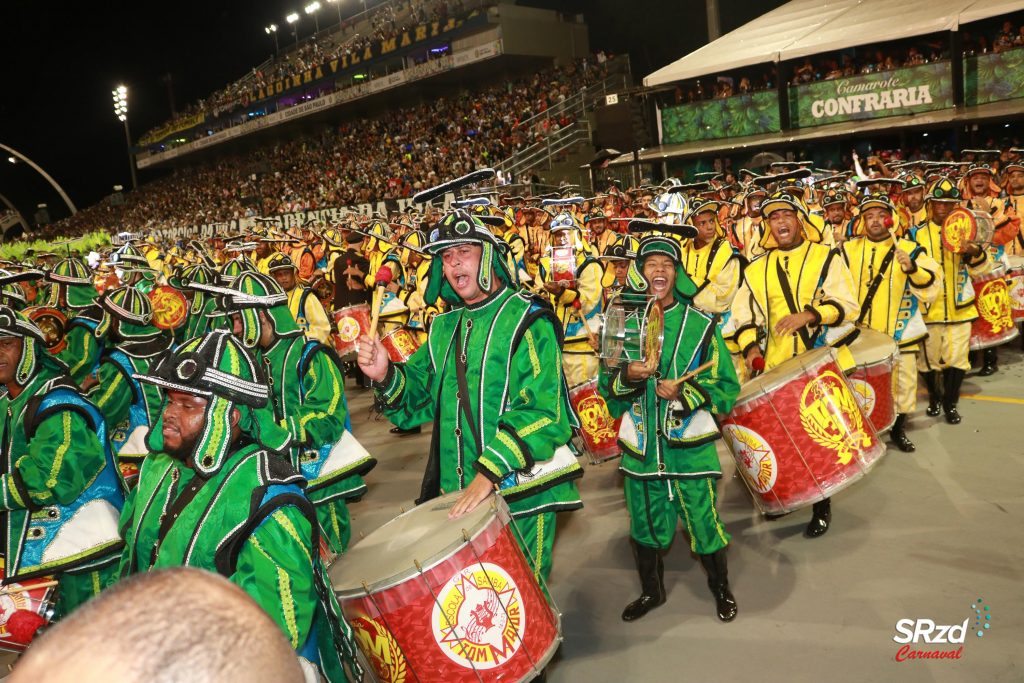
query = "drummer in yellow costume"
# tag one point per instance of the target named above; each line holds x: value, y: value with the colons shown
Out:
x: 380, y: 251
x: 949, y: 318
x: 418, y: 267
x: 709, y: 260
x: 1013, y: 183
x: 912, y: 198
x: 306, y: 309
x: 799, y: 295
x: 748, y: 229
x: 893, y: 285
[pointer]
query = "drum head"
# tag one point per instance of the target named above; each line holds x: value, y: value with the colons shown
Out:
x: 654, y: 335
x: 613, y: 331
x: 424, y: 534
x: 767, y: 382
x: 872, y: 346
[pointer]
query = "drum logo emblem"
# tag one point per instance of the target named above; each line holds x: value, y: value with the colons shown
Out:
x: 994, y: 305
x: 595, y: 419
x: 348, y: 329
x: 831, y: 416
x: 478, y: 618
x: 865, y: 394
x: 381, y: 649
x: 755, y: 455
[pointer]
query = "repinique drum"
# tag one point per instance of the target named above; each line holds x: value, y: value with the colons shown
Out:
x: 876, y: 355
x: 351, y: 322
x: 24, y: 606
x: 52, y: 323
x: 633, y: 329
x: 799, y: 435
x: 170, y: 307
x: 963, y: 226
x: 400, y: 344
x: 598, y: 431
x: 433, y: 599
x: 1015, y: 278
x: 994, y: 324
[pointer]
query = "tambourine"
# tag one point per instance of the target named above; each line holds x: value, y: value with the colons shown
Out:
x: 170, y: 307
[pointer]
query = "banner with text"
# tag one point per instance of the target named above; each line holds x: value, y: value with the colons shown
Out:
x: 870, y: 96
x: 994, y: 76
x: 730, y: 117
x: 171, y: 128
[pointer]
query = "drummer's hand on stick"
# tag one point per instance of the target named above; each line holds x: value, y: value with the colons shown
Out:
x: 372, y: 357
x: 755, y: 361
x: 972, y: 248
x: 904, y: 260
x: 667, y: 389
x: 637, y: 371
x: 477, y: 492
x: 793, y: 322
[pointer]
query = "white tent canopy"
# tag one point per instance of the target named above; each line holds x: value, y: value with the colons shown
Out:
x: 806, y: 27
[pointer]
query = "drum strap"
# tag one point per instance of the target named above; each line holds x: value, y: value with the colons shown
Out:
x: 460, y: 374
x: 865, y: 306
x: 787, y: 293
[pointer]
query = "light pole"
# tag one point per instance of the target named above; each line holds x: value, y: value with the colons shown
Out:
x: 121, y: 112
x: 16, y: 156
x: 292, y: 19
x: 311, y: 9
x: 272, y: 31
x: 337, y: 6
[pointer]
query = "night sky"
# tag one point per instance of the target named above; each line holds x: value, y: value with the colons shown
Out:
x: 63, y: 59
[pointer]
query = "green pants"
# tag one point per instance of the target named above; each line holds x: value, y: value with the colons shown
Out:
x: 335, y: 524
x: 75, y: 588
x: 536, y: 537
x: 656, y: 506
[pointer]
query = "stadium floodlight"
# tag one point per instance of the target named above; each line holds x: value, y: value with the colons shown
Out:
x: 292, y: 18
x: 311, y: 9
x: 12, y: 160
x: 120, y: 95
x: 272, y: 31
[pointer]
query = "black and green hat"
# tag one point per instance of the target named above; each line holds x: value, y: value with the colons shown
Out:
x: 233, y: 268
x: 664, y: 239
x: 217, y: 367
x: 74, y: 276
x: 281, y: 261
x: 133, y: 311
x: 33, y: 350
x: 462, y: 227
x: 943, y: 189
x: 248, y: 295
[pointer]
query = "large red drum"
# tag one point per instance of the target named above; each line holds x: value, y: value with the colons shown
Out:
x: 994, y: 324
x: 876, y: 355
x: 598, y: 431
x: 351, y: 322
x: 1015, y: 278
x: 34, y: 598
x: 799, y: 435
x: 431, y: 599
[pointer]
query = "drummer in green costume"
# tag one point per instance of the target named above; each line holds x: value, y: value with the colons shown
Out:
x: 307, y: 397
x: 60, y: 494
x: 507, y: 427
x: 74, y: 294
x: 672, y: 477
x: 132, y: 345
x: 200, y: 304
x: 211, y: 495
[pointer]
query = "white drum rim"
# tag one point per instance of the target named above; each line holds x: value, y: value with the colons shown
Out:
x: 759, y: 387
x: 496, y: 504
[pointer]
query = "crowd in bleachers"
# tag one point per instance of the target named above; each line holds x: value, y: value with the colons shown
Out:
x: 388, y: 157
x: 385, y: 21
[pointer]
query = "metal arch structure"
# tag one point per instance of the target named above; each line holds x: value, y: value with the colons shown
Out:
x: 53, y: 183
x: 12, y: 207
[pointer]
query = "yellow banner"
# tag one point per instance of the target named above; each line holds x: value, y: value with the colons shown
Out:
x: 172, y: 128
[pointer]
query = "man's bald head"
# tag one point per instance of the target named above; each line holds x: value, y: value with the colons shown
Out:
x: 169, y: 626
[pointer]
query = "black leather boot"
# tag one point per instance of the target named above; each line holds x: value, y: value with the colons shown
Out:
x: 406, y: 432
x: 953, y: 378
x: 931, y: 382
x: 718, y: 581
x: 822, y: 517
x: 989, y: 362
x: 898, y: 434
x: 652, y: 582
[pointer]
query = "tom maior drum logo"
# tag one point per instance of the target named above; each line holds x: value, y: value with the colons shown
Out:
x: 593, y: 412
x: 831, y: 416
x: 994, y: 305
x: 865, y: 394
x: 478, y: 617
x: 926, y: 639
x: 381, y: 649
x: 348, y: 329
x: 759, y: 463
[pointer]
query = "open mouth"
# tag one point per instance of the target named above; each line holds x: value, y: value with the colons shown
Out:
x: 461, y: 281
x: 659, y: 282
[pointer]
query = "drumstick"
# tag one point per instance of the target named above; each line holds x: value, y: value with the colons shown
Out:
x: 25, y: 589
x: 591, y: 336
x: 696, y: 371
x: 384, y: 276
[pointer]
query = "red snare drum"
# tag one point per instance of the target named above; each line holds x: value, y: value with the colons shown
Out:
x: 400, y: 344
x: 799, y: 435
x: 876, y: 355
x: 430, y: 599
x: 35, y: 598
x: 351, y: 322
x: 1016, y: 285
x: 598, y: 431
x: 563, y: 265
x: 994, y: 324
